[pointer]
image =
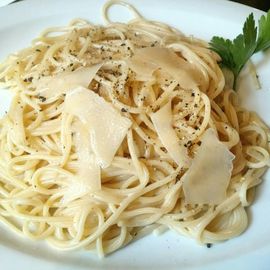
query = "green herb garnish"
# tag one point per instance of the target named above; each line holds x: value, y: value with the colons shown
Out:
x: 235, y: 53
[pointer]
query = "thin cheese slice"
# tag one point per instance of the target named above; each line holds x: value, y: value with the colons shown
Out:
x: 208, y: 177
x: 62, y: 83
x: 106, y: 126
x: 88, y: 167
x: 145, y: 61
x: 162, y: 121
x: 88, y: 176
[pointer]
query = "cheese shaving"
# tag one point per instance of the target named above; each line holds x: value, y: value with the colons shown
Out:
x: 106, y: 127
x: 145, y: 61
x: 162, y: 120
x: 54, y: 86
x: 208, y: 177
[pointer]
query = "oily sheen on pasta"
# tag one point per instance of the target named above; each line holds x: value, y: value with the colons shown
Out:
x: 116, y: 131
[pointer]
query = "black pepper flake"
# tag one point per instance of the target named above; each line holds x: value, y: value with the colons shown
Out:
x: 71, y: 64
x: 193, y: 94
x: 128, y: 48
x: 123, y: 110
x: 143, y: 98
x: 209, y: 245
x: 189, y: 143
x: 196, y: 105
x: 41, y: 98
x: 30, y: 79
x: 38, y: 50
x: 196, y: 128
x: 123, y: 44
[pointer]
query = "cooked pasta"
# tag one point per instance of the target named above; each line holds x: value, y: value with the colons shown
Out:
x: 107, y: 133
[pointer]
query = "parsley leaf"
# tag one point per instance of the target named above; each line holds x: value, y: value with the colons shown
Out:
x: 223, y: 48
x: 264, y: 33
x: 244, y: 45
x: 236, y: 53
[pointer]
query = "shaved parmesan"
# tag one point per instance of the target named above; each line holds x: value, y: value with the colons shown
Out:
x: 162, y: 121
x: 88, y: 177
x: 62, y: 83
x: 145, y: 61
x: 88, y: 167
x: 208, y: 177
x: 106, y: 127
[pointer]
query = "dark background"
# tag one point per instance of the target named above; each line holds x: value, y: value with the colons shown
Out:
x: 260, y: 4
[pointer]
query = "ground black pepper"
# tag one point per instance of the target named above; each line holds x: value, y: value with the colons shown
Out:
x: 41, y: 98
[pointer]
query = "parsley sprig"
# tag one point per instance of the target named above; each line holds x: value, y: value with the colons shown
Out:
x: 235, y: 53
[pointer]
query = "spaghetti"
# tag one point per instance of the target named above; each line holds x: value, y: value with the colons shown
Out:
x: 142, y: 187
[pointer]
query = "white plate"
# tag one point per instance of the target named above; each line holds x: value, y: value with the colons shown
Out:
x: 21, y: 22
